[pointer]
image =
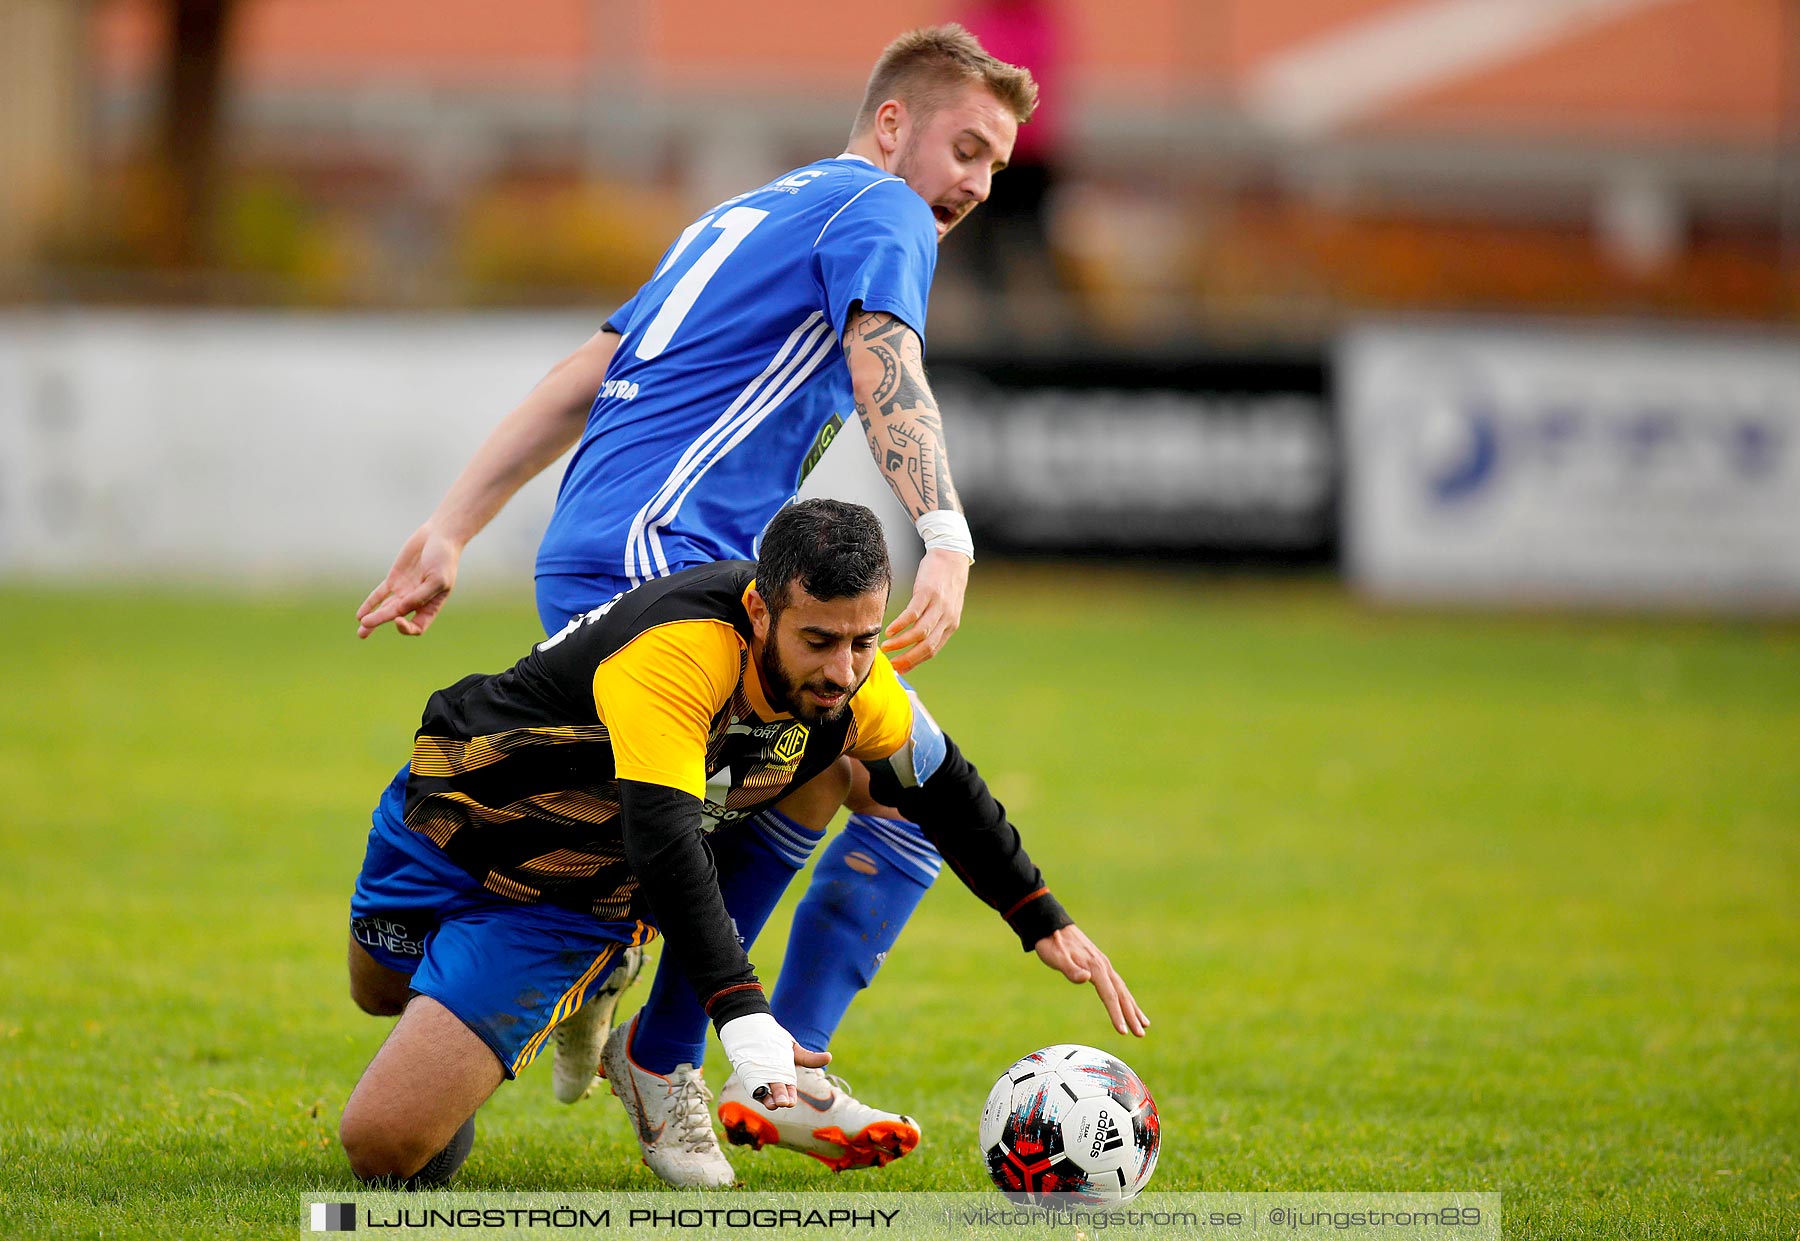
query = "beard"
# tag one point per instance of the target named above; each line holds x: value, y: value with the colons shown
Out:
x: 905, y: 160
x: 785, y: 689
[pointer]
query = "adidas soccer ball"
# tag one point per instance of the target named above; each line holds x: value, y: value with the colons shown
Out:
x: 1070, y: 1120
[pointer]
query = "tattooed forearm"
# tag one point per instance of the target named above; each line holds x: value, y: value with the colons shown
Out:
x: 911, y: 456
x: 913, y: 453
x: 899, y: 414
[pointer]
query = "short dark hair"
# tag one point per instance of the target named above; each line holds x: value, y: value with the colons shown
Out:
x: 833, y: 549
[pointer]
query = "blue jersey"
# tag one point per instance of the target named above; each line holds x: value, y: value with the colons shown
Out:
x: 729, y: 379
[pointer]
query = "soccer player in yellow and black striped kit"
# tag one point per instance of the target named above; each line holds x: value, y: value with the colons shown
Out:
x: 558, y: 812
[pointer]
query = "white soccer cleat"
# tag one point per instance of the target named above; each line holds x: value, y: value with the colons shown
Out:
x: 575, y: 1068
x: 827, y: 1123
x: 671, y: 1116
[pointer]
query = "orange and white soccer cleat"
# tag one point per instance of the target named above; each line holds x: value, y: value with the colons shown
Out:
x: 828, y: 1123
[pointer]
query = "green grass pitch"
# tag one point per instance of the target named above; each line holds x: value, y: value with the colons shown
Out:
x: 1415, y: 901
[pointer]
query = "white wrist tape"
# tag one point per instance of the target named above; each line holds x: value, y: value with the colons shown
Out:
x: 947, y: 530
x: 760, y: 1051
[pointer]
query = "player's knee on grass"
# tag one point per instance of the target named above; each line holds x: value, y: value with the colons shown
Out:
x: 417, y: 1096
x: 436, y: 1172
x: 376, y: 989
x: 391, y: 1148
x: 383, y: 1148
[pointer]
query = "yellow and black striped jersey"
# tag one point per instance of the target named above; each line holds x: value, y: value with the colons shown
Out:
x: 516, y: 775
x: 586, y: 774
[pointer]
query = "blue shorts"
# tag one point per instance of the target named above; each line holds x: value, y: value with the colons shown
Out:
x: 509, y: 971
x: 564, y: 596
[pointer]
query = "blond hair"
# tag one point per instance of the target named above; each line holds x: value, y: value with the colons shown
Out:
x: 926, y: 68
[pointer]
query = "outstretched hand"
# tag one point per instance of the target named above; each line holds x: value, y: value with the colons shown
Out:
x: 415, y: 589
x: 932, y: 614
x: 1080, y: 960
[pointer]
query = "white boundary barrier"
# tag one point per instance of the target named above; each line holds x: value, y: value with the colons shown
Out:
x: 264, y: 446
x: 1553, y: 463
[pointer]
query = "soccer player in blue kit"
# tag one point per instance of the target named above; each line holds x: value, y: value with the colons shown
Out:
x: 699, y: 408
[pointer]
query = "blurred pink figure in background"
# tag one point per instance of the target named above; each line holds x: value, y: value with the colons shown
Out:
x: 1010, y: 236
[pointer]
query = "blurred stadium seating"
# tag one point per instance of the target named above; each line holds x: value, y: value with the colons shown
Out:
x: 1235, y: 168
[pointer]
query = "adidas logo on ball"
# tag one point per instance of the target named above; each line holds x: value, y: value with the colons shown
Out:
x: 1106, y: 1136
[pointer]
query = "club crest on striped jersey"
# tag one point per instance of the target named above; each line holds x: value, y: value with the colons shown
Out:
x: 789, y: 745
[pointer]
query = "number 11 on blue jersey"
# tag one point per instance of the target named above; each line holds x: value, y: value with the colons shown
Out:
x: 734, y: 225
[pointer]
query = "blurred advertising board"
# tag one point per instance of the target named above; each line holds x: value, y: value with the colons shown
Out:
x: 269, y: 445
x: 1222, y: 457
x: 1543, y: 462
x: 256, y: 444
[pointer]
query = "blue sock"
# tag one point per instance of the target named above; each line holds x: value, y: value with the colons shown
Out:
x: 867, y: 884
x: 756, y: 860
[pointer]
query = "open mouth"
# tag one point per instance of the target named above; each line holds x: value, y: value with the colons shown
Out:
x: 826, y: 702
x: 946, y: 216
